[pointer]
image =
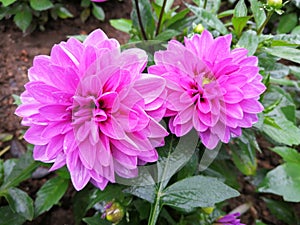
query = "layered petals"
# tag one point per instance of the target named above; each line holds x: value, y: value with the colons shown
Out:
x: 209, y: 87
x: 89, y: 106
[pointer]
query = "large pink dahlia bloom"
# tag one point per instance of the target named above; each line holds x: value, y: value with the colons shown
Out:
x: 211, y: 88
x: 89, y: 107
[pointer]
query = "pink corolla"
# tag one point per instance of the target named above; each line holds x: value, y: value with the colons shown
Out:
x: 229, y: 219
x: 210, y: 87
x: 89, y: 106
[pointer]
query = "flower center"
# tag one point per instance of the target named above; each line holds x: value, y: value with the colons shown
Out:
x: 206, y: 80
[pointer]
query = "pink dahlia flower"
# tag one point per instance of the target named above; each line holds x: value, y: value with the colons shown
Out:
x: 89, y: 107
x: 98, y: 0
x: 230, y: 219
x: 211, y: 88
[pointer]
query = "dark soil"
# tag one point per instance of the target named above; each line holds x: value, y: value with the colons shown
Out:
x: 16, y: 54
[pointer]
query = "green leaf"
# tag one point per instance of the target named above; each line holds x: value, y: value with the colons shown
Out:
x: 258, y: 222
x: 41, y: 5
x: 249, y: 40
x: 270, y: 66
x: 287, y: 23
x: 184, y: 150
x: 17, y: 170
x: 86, y: 199
x: 63, y: 12
x: 168, y: 6
x: 243, y: 153
x: 290, y: 112
x: 96, y: 220
x: 208, y: 18
x: 85, y: 3
x: 50, y: 194
x: 239, y: 23
x: 124, y: 25
x: 20, y: 202
x: 23, y: 18
x: 84, y: 15
x: 98, y: 12
x: 292, y: 39
x: 7, y: 2
x: 167, y: 35
x: 285, y: 132
x: 80, y: 37
x: 281, y: 210
x: 288, y: 53
x: 284, y: 180
x: 258, y: 12
x: 224, y: 169
x: 146, y: 17
x: 296, y: 30
x: 178, y: 17
x: 288, y: 154
x: 190, y: 168
x: 1, y: 171
x: 167, y: 166
x: 9, y: 217
x: 143, y: 208
x: 240, y: 9
x: 144, y: 192
x: 211, y: 5
x: 17, y: 99
x: 197, y: 191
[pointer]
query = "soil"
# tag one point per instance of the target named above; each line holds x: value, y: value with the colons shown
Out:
x: 16, y: 54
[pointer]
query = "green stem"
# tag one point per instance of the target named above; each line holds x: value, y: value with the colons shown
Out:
x: 205, y: 3
x: 160, y: 17
x: 260, y: 30
x: 156, y: 207
x: 140, y: 19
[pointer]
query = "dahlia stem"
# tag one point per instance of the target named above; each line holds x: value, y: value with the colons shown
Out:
x: 155, y: 209
x: 269, y: 15
x: 205, y: 4
x: 160, y: 17
x: 140, y: 19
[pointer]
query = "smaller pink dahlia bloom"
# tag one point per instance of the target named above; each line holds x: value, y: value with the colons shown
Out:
x: 89, y: 107
x: 211, y: 88
x: 230, y: 219
x: 98, y: 0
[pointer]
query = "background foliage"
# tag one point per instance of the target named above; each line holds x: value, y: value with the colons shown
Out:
x: 186, y: 192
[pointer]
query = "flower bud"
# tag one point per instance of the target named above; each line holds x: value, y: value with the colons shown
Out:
x: 208, y: 210
x: 277, y: 4
x: 114, y: 212
x: 199, y: 28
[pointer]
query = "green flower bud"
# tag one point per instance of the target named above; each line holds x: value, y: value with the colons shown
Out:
x: 114, y: 212
x: 277, y: 4
x: 199, y: 28
x: 208, y: 210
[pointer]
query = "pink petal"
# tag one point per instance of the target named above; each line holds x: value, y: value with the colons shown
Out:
x: 33, y: 135
x: 60, y: 161
x: 209, y: 139
x: 233, y: 95
x: 112, y: 129
x: 251, y: 106
x: 183, y: 129
x: 234, y: 111
x: 150, y: 87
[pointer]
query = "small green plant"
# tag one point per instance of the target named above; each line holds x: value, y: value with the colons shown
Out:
x: 91, y: 8
x: 30, y: 14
